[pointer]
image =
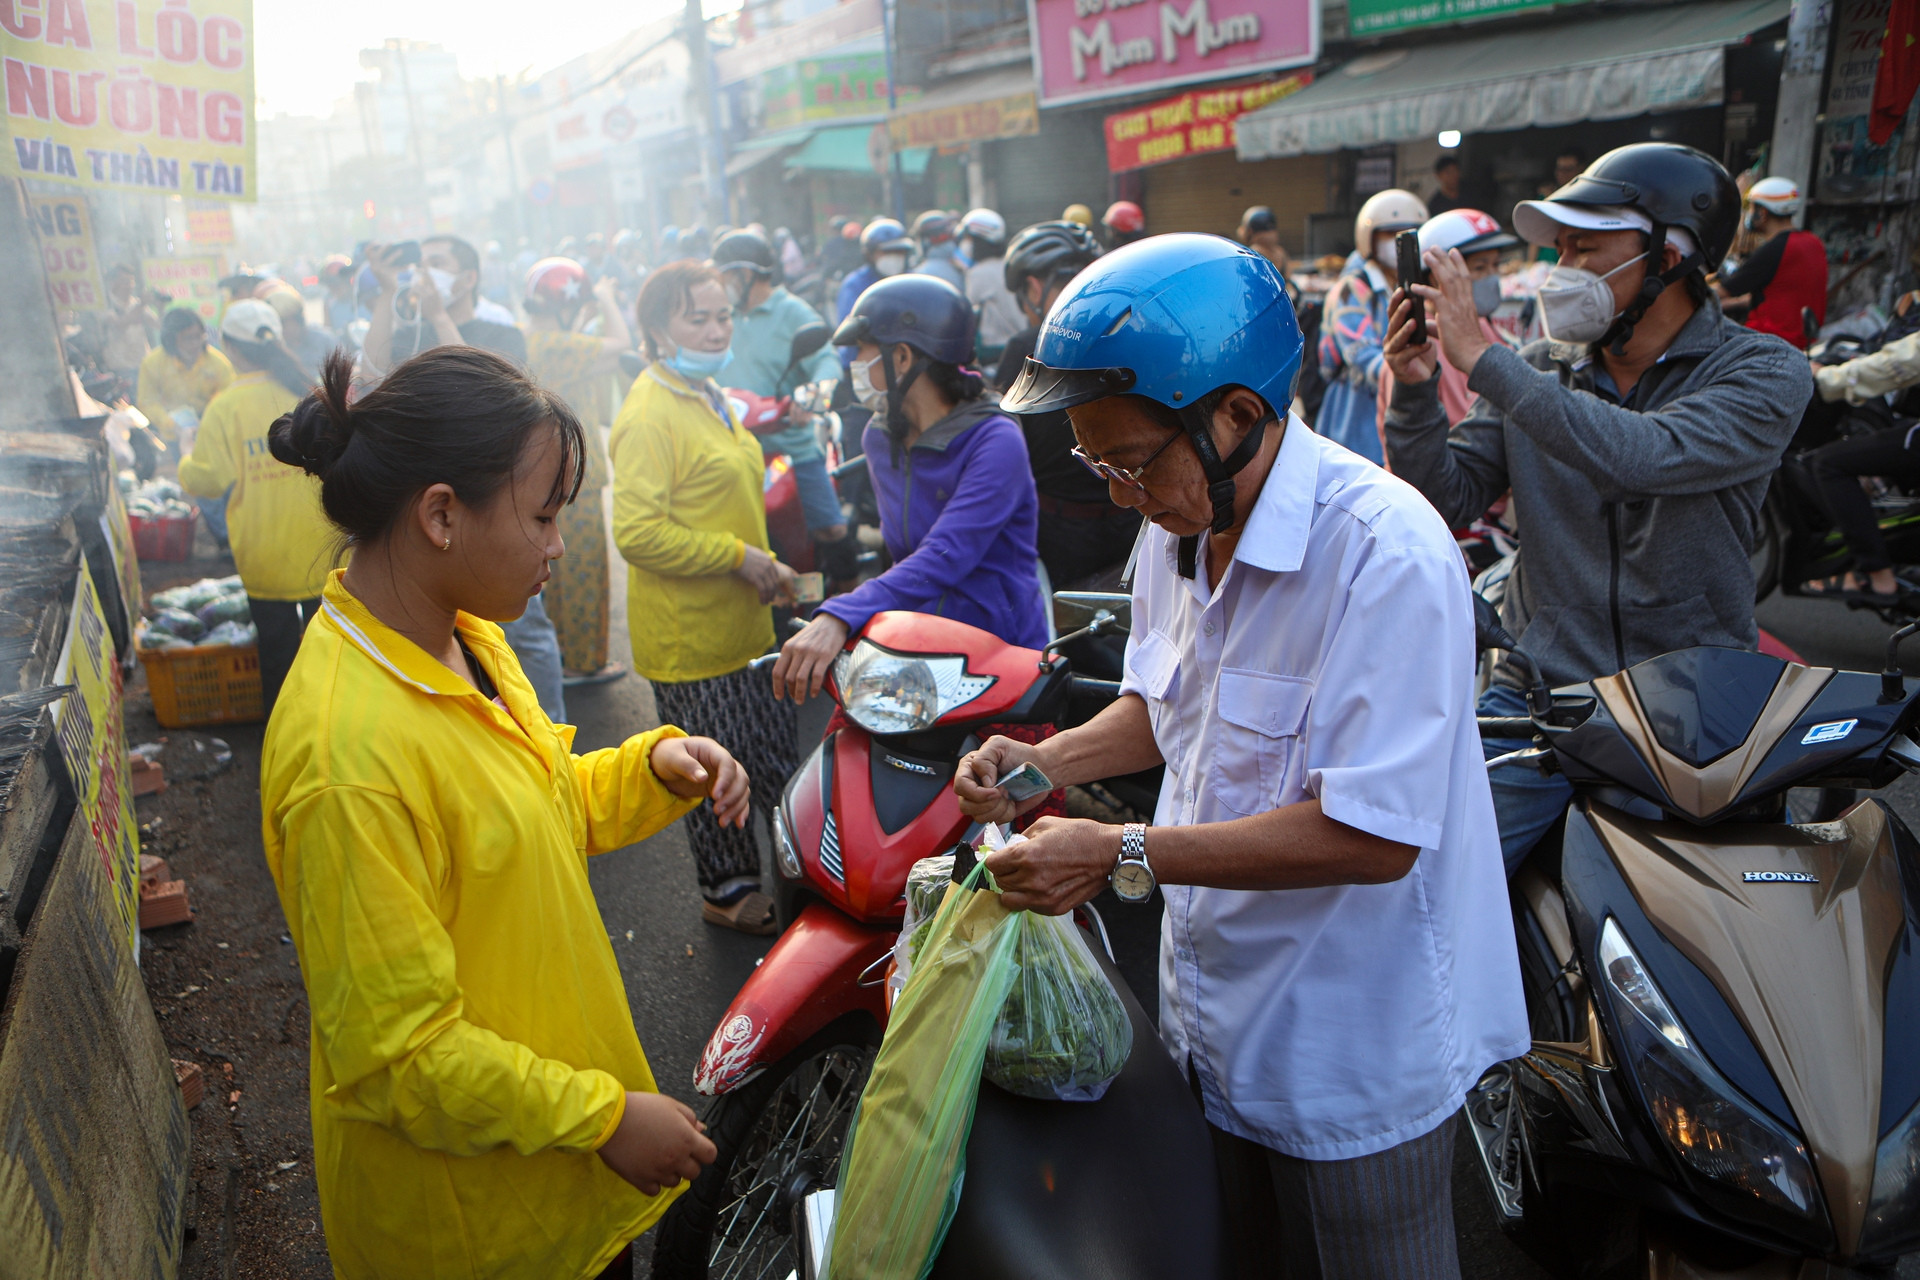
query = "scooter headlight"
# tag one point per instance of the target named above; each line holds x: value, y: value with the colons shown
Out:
x: 885, y: 692
x: 1705, y: 1120
x: 1893, y: 1215
x: 785, y: 854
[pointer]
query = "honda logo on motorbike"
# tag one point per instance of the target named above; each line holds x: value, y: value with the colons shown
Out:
x: 1779, y: 877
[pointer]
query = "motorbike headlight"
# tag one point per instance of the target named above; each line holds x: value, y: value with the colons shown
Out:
x: 886, y: 692
x: 1893, y: 1215
x: 1703, y: 1118
x: 785, y: 854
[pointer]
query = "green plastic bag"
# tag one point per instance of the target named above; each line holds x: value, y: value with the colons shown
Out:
x: 900, y: 1182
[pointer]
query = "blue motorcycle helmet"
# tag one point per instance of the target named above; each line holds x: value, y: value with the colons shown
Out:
x: 930, y: 316
x: 1177, y: 319
x: 883, y: 234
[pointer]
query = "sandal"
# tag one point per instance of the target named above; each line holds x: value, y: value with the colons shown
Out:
x: 752, y: 914
x: 1836, y: 588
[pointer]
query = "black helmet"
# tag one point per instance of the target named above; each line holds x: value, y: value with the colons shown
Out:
x: 1259, y: 218
x: 1050, y: 252
x: 925, y: 312
x: 746, y: 249
x: 933, y: 227
x: 1674, y: 185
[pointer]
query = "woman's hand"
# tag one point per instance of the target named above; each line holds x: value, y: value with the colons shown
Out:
x: 805, y: 659
x: 773, y: 580
x: 691, y: 767
x: 1412, y: 365
x: 657, y: 1144
x: 1062, y: 863
x: 974, y: 782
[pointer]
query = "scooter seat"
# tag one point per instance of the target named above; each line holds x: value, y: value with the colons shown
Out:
x: 1119, y: 1189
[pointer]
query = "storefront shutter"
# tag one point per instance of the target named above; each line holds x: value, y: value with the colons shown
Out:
x: 1210, y: 192
x: 1065, y: 163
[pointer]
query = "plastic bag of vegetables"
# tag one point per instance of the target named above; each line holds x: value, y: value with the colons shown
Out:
x: 927, y: 883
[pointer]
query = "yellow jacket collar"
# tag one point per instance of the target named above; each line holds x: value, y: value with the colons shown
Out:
x: 406, y: 661
x: 667, y: 376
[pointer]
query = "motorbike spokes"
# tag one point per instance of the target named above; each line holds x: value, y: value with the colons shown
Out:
x: 793, y: 1148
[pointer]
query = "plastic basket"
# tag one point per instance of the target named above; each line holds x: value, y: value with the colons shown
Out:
x: 206, y: 684
x: 163, y: 537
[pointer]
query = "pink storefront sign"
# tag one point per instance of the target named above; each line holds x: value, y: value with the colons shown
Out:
x: 1089, y: 49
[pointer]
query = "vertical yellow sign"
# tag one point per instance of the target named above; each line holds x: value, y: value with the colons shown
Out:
x: 65, y: 231
x: 93, y: 742
x: 132, y: 95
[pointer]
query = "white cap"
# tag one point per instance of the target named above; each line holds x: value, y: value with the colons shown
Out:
x: 1539, y: 221
x: 245, y: 319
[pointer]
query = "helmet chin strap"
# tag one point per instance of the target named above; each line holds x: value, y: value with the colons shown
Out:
x: 897, y: 389
x: 1219, y: 471
x: 1652, y: 286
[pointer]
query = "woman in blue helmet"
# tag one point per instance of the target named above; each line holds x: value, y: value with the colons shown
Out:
x: 1336, y: 967
x: 956, y: 497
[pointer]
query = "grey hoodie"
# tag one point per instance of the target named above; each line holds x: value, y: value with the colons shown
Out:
x: 1635, y: 523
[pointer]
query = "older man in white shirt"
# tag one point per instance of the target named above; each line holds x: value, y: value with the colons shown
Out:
x: 1337, y: 960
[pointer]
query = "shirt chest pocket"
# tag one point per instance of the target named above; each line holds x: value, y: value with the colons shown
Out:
x: 1258, y: 737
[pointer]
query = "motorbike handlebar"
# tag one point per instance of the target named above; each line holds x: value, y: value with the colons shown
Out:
x: 1089, y: 685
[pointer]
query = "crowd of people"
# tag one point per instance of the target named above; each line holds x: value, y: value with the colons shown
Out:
x: 1289, y: 476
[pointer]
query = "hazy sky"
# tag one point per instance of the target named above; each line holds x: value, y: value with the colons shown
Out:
x: 306, y: 56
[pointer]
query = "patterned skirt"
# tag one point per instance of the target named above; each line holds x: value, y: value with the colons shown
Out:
x: 738, y: 711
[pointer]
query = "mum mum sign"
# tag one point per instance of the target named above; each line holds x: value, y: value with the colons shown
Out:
x: 130, y: 95
x: 1090, y: 49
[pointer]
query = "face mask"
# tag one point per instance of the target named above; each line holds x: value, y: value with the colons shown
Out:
x: 890, y: 264
x: 1576, y: 305
x: 860, y: 380
x: 443, y: 283
x: 1486, y: 295
x: 697, y: 366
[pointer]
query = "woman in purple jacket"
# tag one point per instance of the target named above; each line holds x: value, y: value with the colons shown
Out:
x: 957, y: 505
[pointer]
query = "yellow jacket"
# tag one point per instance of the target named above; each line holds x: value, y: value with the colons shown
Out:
x: 1893, y: 367
x: 472, y: 1046
x: 166, y: 384
x: 688, y: 499
x: 282, y: 542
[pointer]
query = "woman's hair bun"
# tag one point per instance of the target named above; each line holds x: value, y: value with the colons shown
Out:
x: 318, y: 430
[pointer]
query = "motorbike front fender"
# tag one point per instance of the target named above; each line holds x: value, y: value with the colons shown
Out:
x: 809, y: 979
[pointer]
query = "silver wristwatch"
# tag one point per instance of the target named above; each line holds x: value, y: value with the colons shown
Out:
x: 1132, y: 879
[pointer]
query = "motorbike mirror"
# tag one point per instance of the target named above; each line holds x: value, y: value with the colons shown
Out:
x: 1073, y: 610
x: 1893, y: 685
x: 809, y: 339
x: 1488, y: 631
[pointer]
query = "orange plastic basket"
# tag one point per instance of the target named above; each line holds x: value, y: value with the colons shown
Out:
x: 207, y: 684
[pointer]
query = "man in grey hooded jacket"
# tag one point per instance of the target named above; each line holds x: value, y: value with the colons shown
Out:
x: 1638, y: 438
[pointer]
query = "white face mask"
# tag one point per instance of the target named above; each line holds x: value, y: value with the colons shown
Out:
x: 860, y: 380
x: 1578, y: 306
x: 890, y: 264
x: 443, y: 284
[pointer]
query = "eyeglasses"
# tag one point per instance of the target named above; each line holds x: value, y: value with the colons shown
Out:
x: 1130, y: 479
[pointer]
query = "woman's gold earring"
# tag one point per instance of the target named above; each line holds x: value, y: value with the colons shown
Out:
x: 447, y: 545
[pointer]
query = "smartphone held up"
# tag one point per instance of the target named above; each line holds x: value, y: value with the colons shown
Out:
x: 1412, y: 271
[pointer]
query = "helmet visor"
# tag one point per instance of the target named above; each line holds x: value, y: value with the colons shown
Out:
x: 1043, y: 389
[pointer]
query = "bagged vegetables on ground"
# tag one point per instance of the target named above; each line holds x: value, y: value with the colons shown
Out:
x: 212, y: 611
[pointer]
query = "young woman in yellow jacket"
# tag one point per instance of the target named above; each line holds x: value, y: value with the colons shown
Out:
x: 178, y: 378
x: 282, y: 544
x: 690, y: 519
x: 481, y: 1105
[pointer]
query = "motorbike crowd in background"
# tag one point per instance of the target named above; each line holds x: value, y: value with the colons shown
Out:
x: 1285, y: 482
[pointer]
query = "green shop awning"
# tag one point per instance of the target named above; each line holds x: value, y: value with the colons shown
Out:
x: 1625, y: 64
x: 844, y: 150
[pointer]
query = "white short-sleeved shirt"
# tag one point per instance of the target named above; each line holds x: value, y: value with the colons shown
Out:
x: 1334, y: 660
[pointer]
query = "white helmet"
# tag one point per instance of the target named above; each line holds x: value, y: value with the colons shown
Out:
x: 1389, y: 210
x: 1468, y: 230
x: 984, y: 224
x: 1778, y: 196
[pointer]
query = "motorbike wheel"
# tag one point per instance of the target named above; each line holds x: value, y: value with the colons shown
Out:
x: 779, y: 1137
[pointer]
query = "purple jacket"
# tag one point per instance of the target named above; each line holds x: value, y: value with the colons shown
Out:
x: 959, y: 515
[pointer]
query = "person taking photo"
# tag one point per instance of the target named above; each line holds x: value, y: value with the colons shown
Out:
x: 1301, y: 660
x: 480, y: 1101
x: 1638, y: 437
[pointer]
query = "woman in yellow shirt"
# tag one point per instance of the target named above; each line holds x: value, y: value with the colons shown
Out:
x: 481, y: 1104
x: 178, y: 377
x: 690, y: 519
x: 282, y: 544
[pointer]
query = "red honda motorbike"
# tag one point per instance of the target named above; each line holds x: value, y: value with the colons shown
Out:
x: 789, y: 1058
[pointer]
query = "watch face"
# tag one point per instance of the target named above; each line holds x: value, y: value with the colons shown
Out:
x: 1132, y: 881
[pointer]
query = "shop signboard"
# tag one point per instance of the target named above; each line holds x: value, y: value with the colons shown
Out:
x: 194, y: 279
x: 1085, y: 50
x: 1013, y: 116
x: 819, y: 89
x: 93, y: 742
x: 210, y: 226
x: 758, y: 52
x: 601, y: 100
x: 131, y: 95
x: 1377, y: 17
x: 1853, y: 169
x: 1191, y: 124
x: 65, y: 231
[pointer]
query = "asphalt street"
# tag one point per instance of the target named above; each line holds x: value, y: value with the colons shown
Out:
x: 681, y: 972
